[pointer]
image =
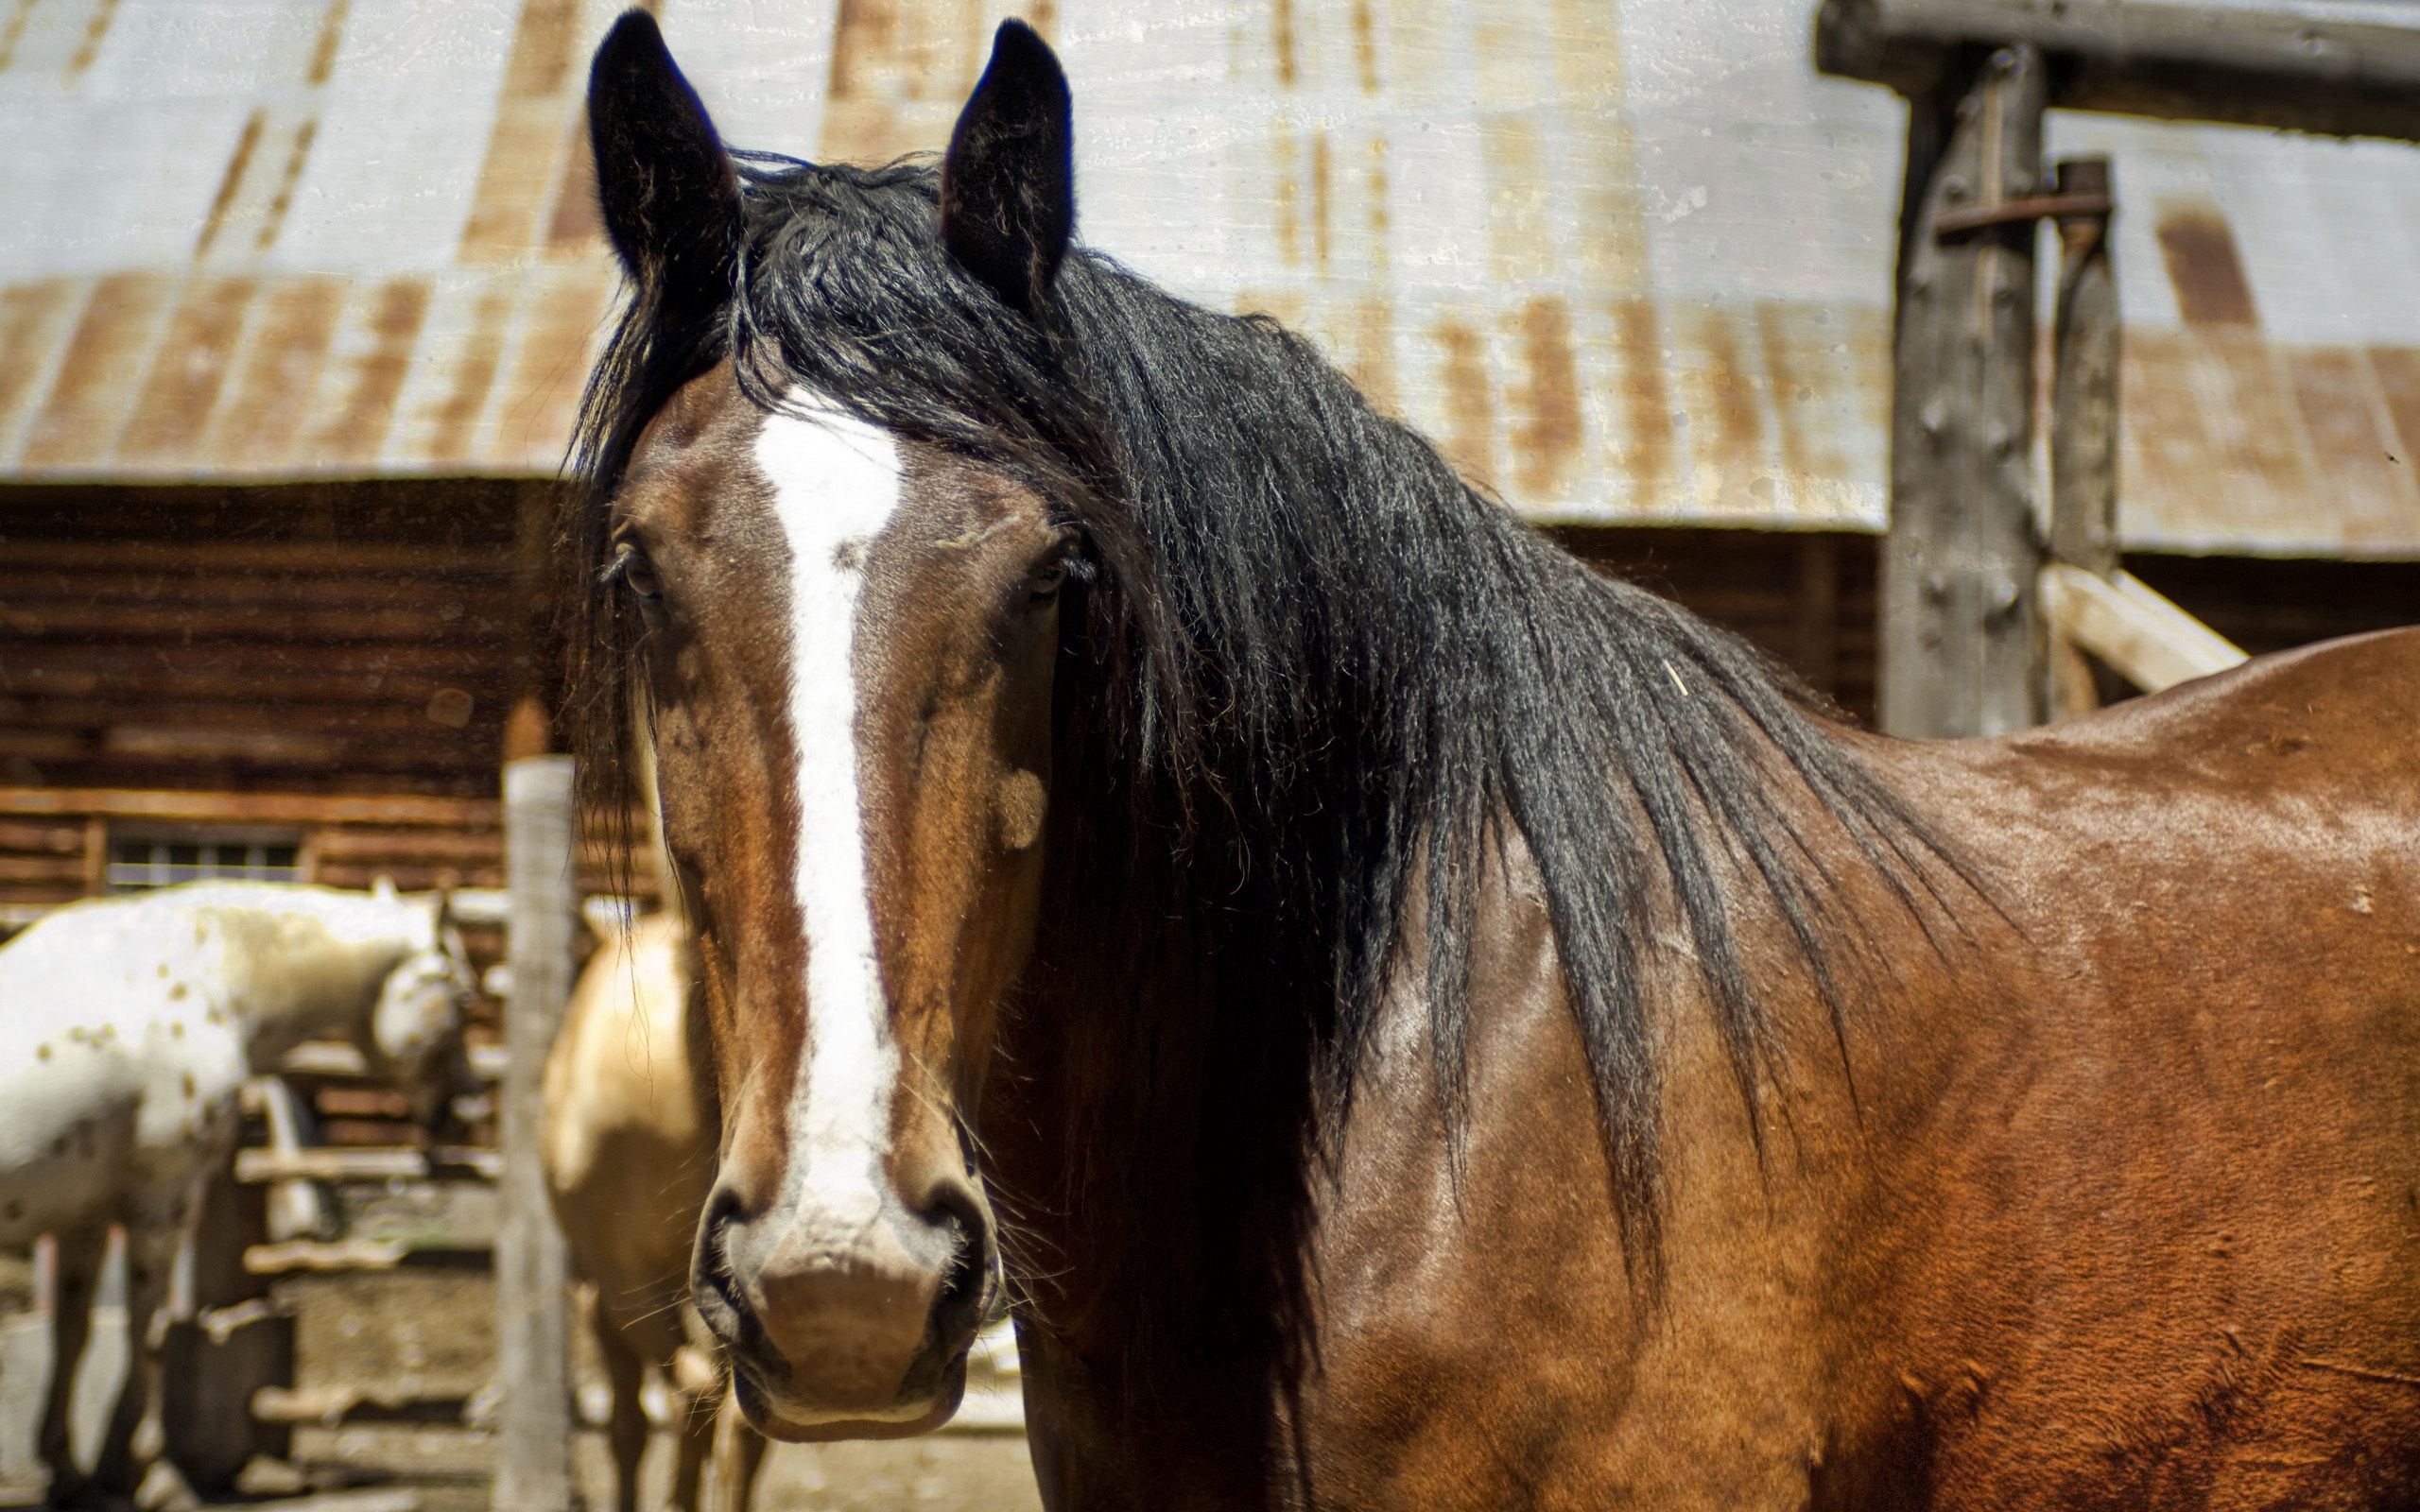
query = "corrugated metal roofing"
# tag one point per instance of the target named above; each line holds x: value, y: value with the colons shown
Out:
x: 1627, y: 261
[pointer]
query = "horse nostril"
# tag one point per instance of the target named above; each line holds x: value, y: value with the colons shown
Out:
x: 710, y: 1267
x: 957, y: 1309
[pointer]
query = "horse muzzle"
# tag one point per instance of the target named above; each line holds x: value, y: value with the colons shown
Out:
x: 847, y: 1313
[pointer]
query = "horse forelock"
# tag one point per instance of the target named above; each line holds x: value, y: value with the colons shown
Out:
x: 1317, y: 667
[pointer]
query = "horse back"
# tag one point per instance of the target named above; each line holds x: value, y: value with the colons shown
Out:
x: 2150, y: 1233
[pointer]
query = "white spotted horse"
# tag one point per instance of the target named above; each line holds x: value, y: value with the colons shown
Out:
x: 1426, y: 1026
x: 127, y: 1027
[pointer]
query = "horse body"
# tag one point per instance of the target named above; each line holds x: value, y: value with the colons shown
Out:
x: 1434, y: 1027
x: 2114, y: 1216
x: 628, y: 1147
x: 131, y: 1024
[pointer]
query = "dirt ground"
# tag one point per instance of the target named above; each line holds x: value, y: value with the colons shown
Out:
x: 432, y: 1332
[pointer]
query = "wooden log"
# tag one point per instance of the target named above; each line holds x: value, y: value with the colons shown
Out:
x: 336, y: 1060
x: 109, y: 557
x: 364, y: 1499
x: 2143, y: 636
x: 2298, y: 65
x: 336, y: 1406
x: 252, y: 808
x: 1960, y: 649
x: 533, y: 1314
x: 347, y: 1256
x: 380, y: 1164
x: 2084, y: 415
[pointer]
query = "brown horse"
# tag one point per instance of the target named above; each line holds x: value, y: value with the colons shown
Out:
x: 1427, y: 1026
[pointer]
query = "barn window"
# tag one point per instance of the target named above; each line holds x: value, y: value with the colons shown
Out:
x: 139, y: 861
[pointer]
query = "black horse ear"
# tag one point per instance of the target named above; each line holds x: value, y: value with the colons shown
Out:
x: 1008, y: 182
x: 669, y: 193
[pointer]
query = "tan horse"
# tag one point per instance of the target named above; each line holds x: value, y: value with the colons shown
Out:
x: 1426, y: 1025
x: 628, y: 1147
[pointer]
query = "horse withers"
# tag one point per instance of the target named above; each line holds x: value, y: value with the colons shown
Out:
x: 628, y: 1142
x: 127, y: 1027
x: 1426, y: 1026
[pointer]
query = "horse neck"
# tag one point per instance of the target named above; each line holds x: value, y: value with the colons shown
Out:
x: 311, y: 964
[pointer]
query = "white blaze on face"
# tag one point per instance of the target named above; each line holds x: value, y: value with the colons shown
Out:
x: 836, y: 483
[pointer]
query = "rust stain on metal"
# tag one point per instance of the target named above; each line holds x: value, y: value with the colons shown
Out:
x: 1470, y: 402
x: 1381, y: 219
x: 14, y: 32
x: 540, y: 62
x: 89, y: 398
x: 296, y: 156
x: 458, y: 418
x: 522, y: 144
x: 2163, y: 439
x: 1281, y: 40
x: 1288, y: 154
x: 34, y: 318
x: 2398, y: 374
x: 1545, y: 401
x: 174, y: 405
x: 1587, y: 51
x: 862, y: 33
x: 357, y: 399
x: 1287, y: 309
x: 323, y: 50
x: 1520, y: 233
x: 1644, y: 451
x: 1369, y: 355
x: 1320, y: 201
x: 1804, y: 410
x: 2368, y: 496
x: 2197, y: 246
x: 95, y: 31
x: 280, y: 368
x: 542, y: 388
x: 1365, y: 46
x: 1736, y: 452
x: 574, y: 226
x: 230, y: 181
x: 2262, y: 457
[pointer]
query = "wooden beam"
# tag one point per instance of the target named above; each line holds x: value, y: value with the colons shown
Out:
x: 254, y: 808
x: 2143, y: 636
x: 2084, y: 415
x: 338, y: 1162
x: 1959, y: 650
x: 2296, y: 65
x: 533, y: 1313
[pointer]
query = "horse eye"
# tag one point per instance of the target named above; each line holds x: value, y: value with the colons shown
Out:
x: 633, y: 570
x: 1045, y: 584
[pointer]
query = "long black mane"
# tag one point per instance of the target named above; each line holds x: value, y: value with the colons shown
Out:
x: 1318, y: 672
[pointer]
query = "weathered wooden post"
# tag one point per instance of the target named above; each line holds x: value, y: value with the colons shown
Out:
x: 2084, y: 408
x: 533, y: 1328
x: 1960, y: 645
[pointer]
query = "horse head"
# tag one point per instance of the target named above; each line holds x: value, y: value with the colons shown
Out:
x: 414, y: 1041
x: 845, y: 636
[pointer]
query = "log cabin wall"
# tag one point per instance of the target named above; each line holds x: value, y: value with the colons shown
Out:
x: 323, y: 671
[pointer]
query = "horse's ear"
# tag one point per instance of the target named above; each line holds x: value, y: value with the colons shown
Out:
x: 1008, y: 182
x: 665, y: 186
x: 383, y: 888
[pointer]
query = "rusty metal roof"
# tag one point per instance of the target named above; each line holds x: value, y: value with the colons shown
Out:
x: 1628, y: 260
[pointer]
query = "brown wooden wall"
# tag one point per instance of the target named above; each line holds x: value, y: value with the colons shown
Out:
x: 335, y: 662
x: 324, y: 638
